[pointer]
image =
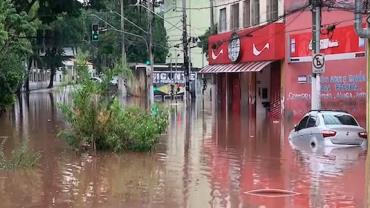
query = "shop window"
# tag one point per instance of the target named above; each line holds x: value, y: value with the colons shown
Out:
x: 247, y: 13
x: 272, y: 10
x: 222, y: 20
x: 234, y: 17
x: 255, y: 12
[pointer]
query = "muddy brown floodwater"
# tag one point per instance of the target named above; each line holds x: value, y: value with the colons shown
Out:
x: 205, y: 160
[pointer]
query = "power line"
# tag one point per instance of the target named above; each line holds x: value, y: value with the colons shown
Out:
x: 343, y: 6
x: 208, y: 7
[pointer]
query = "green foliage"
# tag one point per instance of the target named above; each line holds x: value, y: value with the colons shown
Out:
x: 98, y: 121
x: 11, y: 76
x: 21, y: 157
x: 108, y: 48
x: 204, y: 39
x: 63, y: 17
x: 13, y: 51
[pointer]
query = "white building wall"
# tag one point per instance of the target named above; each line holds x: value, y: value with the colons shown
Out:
x: 198, y: 22
x: 220, y: 4
x: 281, y: 8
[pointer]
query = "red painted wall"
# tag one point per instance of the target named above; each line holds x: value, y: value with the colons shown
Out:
x: 235, y: 96
x: 221, y: 93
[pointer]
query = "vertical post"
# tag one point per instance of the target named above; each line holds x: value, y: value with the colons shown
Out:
x: 212, y: 19
x: 189, y: 51
x: 176, y: 83
x: 150, y: 90
x: 122, y: 82
x: 123, y: 35
x: 368, y: 89
x: 172, y: 77
x: 185, y: 48
x: 316, y: 26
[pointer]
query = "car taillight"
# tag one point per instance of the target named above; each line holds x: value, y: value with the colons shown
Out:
x: 363, y: 135
x: 328, y: 133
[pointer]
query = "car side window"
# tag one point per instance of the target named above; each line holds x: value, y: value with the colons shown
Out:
x: 302, y: 124
x: 311, y: 122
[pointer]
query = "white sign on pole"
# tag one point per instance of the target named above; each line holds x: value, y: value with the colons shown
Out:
x: 318, y: 63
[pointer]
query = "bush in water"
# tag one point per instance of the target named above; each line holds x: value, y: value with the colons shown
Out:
x: 21, y: 157
x: 98, y: 121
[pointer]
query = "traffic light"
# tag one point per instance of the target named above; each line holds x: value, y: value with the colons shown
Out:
x: 95, y: 32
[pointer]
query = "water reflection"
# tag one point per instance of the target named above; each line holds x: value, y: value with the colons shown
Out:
x: 207, y: 159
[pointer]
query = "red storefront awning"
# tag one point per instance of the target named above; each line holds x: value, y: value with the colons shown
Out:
x: 230, y: 68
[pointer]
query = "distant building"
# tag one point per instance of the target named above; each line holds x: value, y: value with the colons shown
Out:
x: 39, y: 77
x: 198, y: 21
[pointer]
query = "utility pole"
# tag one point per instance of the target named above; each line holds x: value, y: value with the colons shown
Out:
x: 123, y: 35
x: 316, y: 27
x: 190, y: 60
x: 124, y: 91
x: 150, y: 93
x: 185, y: 49
x: 212, y: 20
x: 364, y: 33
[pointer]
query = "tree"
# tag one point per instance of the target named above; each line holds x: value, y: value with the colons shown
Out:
x: 204, y: 39
x: 14, y: 48
x: 108, y: 48
x: 64, y: 32
x: 45, y: 12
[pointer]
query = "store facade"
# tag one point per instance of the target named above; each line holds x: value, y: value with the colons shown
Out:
x: 247, y: 68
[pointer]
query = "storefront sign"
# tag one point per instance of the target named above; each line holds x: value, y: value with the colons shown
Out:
x: 166, y: 77
x: 342, y: 43
x: 234, y: 47
x: 168, y: 82
x: 326, y: 43
x: 262, y: 43
x: 302, y: 79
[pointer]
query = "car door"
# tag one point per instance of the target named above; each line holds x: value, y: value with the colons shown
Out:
x: 300, y: 131
x: 311, y: 128
x: 306, y: 130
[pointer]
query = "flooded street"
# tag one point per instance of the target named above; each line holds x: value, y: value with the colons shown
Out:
x: 205, y: 160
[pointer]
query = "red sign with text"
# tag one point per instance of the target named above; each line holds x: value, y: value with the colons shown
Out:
x: 264, y: 43
x: 341, y: 40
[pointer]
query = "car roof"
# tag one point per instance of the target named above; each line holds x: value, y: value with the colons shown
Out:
x: 325, y: 110
x: 316, y: 112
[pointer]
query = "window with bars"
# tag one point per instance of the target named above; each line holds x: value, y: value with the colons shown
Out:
x: 234, y: 17
x: 272, y: 10
x: 222, y: 20
x: 247, y: 13
x: 255, y: 12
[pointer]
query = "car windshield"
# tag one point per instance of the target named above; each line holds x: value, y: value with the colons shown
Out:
x: 339, y: 119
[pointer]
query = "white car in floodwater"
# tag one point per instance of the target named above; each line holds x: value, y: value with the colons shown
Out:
x: 326, y: 128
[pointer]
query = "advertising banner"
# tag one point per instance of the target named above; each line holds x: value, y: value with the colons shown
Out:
x: 170, y: 82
